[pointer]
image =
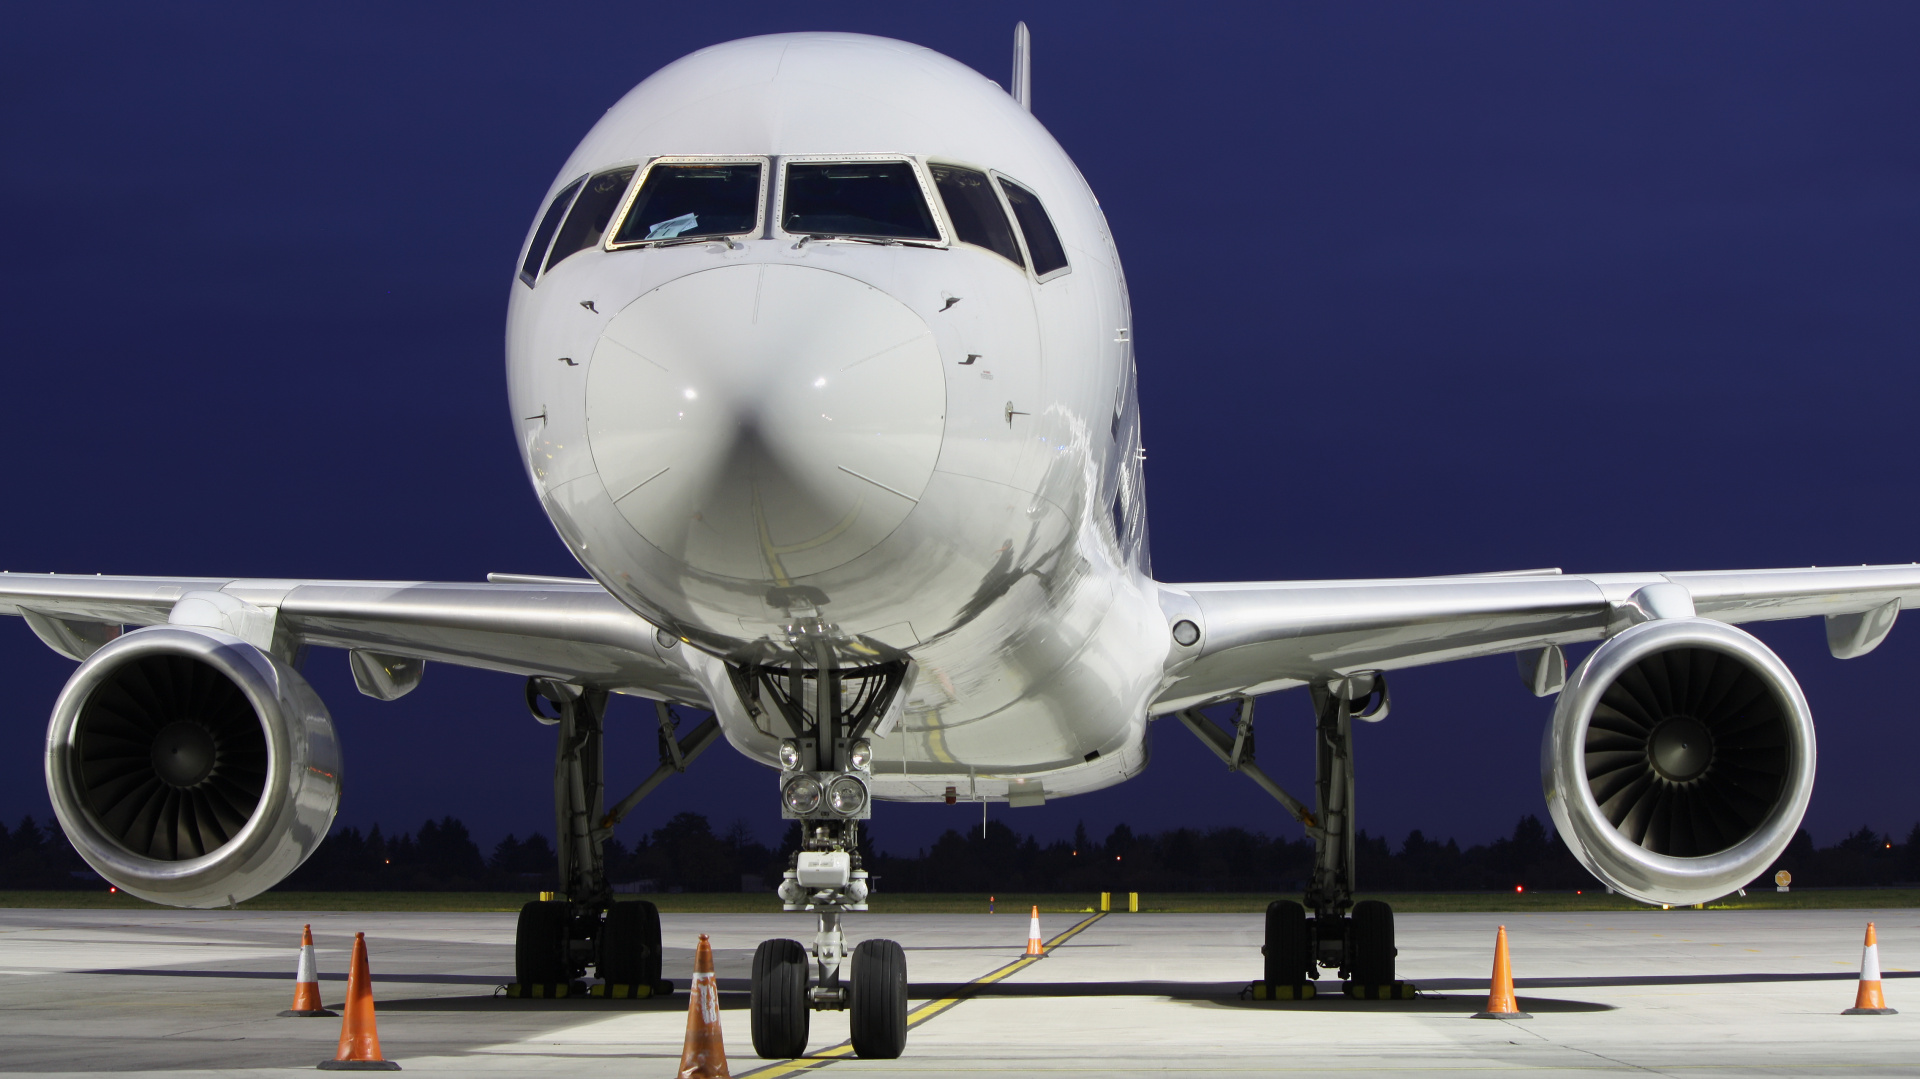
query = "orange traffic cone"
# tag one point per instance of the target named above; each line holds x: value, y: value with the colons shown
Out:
x: 1500, y: 1002
x: 306, y: 983
x: 1034, y: 946
x: 359, y: 1039
x: 1867, y: 1000
x: 705, y: 1054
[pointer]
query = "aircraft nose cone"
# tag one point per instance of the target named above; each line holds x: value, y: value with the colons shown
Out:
x: 765, y: 422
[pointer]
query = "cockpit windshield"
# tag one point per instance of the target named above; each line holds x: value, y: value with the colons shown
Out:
x: 680, y: 201
x: 879, y: 200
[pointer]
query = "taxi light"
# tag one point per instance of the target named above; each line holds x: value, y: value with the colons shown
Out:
x: 789, y: 754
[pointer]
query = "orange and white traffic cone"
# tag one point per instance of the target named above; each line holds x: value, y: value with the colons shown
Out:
x: 1500, y: 1002
x: 705, y: 1055
x: 1034, y: 947
x: 306, y: 982
x: 359, y: 1037
x: 1867, y: 1000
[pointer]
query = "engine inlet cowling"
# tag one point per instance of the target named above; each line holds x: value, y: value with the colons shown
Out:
x: 190, y: 768
x: 1679, y: 760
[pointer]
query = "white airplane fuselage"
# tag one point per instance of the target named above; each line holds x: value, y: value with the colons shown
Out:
x: 925, y: 448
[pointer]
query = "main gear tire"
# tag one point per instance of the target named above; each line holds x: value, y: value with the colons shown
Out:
x: 541, y: 954
x: 630, y: 944
x: 1289, y: 946
x: 1370, y: 935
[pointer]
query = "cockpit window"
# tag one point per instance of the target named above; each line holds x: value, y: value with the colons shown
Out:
x: 975, y: 211
x: 859, y: 199
x: 591, y: 213
x: 542, y: 236
x: 1043, y: 243
x: 682, y: 200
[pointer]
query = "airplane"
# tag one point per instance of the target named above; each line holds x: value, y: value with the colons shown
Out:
x: 819, y: 358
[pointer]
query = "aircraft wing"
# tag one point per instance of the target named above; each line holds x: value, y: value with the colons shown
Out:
x: 561, y: 628
x: 1258, y: 637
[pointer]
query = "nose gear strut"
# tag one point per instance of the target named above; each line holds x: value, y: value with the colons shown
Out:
x: 830, y: 707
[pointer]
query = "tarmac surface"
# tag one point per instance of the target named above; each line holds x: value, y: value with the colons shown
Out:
x: 1693, y: 993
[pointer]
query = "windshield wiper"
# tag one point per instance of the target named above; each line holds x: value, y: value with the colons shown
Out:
x: 682, y: 241
x: 876, y: 241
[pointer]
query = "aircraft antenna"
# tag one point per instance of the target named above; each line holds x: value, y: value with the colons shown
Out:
x: 1023, y: 66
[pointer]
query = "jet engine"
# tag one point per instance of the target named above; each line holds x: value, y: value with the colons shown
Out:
x: 1679, y: 760
x: 191, y: 768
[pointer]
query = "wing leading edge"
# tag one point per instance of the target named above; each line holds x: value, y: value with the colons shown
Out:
x: 1259, y: 637
x: 566, y: 630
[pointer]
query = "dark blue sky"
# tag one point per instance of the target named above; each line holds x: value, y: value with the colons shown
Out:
x: 1418, y: 289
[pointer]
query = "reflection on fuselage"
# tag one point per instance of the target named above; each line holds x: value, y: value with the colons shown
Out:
x: 894, y: 402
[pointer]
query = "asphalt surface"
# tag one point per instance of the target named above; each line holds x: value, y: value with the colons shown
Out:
x: 1694, y: 993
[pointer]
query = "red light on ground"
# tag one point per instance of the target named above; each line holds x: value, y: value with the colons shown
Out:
x: 1116, y: 857
x: 1518, y: 889
x: 112, y: 889
x: 1577, y: 891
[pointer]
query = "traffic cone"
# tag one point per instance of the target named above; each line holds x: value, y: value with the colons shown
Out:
x: 1500, y: 1002
x: 359, y: 1038
x: 306, y: 983
x: 1033, y: 935
x: 705, y: 1054
x: 1867, y: 999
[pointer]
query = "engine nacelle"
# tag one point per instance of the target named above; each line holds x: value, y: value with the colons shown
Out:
x: 1679, y: 760
x: 191, y: 768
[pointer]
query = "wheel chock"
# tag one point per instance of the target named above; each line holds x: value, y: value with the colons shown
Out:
x: 546, y: 991
x: 640, y: 991
x: 1281, y: 991
x: 1389, y: 991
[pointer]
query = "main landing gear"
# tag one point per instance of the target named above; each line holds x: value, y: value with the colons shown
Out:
x: 1356, y: 939
x: 826, y: 765
x: 558, y: 939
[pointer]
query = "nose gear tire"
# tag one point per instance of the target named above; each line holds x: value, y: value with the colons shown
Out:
x: 877, y: 1005
x: 778, y: 1004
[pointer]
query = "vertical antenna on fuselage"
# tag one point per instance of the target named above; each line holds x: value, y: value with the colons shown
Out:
x: 1023, y: 67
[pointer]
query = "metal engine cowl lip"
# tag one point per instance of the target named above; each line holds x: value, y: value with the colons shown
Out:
x: 1624, y: 865
x: 297, y: 803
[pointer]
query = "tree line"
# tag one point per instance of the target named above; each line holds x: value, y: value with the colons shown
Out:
x: 687, y: 854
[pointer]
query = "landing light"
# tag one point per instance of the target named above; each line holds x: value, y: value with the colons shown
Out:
x: 847, y: 795
x: 802, y: 794
x: 690, y: 395
x: 789, y: 754
x: 819, y: 382
x: 861, y: 754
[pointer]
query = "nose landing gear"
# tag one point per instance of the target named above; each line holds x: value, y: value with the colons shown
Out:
x: 824, y: 785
